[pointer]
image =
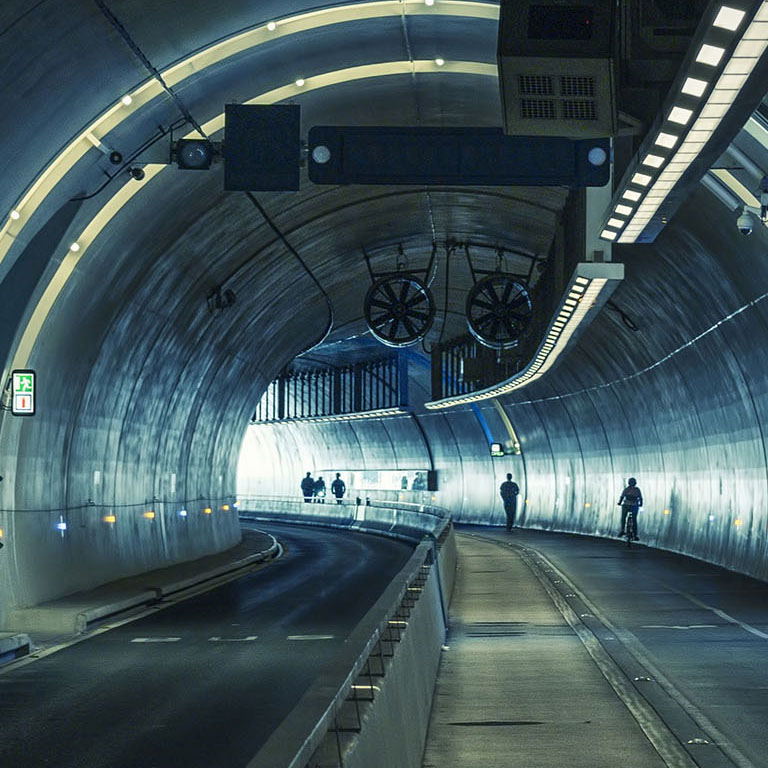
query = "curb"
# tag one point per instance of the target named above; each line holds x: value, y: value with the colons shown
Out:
x: 12, y: 646
x: 155, y: 594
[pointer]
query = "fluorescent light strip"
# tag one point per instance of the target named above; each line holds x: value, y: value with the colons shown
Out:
x: 726, y: 89
x: 193, y: 65
x: 555, y: 342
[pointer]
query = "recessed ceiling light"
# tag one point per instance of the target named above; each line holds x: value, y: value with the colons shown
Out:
x: 615, y: 223
x: 641, y: 179
x: 439, y: 62
x: 271, y: 26
x: 655, y: 161
x: 693, y: 86
x: 15, y: 215
x: 127, y: 100
x: 429, y: 2
x: 710, y: 54
x: 728, y: 18
x: 630, y: 194
x: 623, y: 210
x: 75, y: 247
x: 680, y: 115
x: 667, y: 140
x: 300, y: 81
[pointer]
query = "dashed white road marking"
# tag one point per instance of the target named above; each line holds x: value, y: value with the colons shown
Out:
x: 248, y: 639
x: 679, y: 626
x: 155, y: 639
x: 309, y: 637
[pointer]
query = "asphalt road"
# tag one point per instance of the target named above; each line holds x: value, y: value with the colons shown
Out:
x: 205, y: 681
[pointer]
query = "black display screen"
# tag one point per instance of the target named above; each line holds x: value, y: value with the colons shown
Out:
x: 560, y: 22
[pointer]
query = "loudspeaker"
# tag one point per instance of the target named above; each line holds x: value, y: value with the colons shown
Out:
x: 431, y: 479
x: 262, y: 147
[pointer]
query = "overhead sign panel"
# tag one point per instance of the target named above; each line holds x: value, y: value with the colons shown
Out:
x: 262, y: 147
x: 455, y: 156
x: 23, y: 393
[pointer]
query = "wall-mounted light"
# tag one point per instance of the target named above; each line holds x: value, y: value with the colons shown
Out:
x: 497, y: 449
x: 591, y: 285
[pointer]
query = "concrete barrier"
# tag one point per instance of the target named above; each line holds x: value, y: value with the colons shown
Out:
x: 373, y: 709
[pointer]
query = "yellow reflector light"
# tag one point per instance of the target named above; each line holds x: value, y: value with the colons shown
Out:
x: 149, y: 514
x: 110, y: 519
x: 207, y: 511
x: 225, y: 507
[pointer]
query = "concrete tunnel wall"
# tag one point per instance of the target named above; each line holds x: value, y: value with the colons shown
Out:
x: 681, y: 404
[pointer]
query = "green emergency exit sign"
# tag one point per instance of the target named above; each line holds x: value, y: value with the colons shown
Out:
x: 23, y: 393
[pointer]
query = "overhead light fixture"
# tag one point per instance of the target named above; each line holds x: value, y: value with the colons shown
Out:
x: 15, y: 215
x: 439, y: 62
x: 379, y: 413
x: 591, y: 285
x: 193, y: 154
x: 710, y: 54
x: 655, y: 161
x: 127, y: 100
x: 75, y: 247
x: 271, y: 26
x: 680, y: 115
x: 630, y: 194
x: 734, y: 71
x: 728, y: 18
x: 300, y: 81
x: 694, y: 87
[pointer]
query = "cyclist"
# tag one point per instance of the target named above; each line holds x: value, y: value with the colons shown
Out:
x: 630, y: 501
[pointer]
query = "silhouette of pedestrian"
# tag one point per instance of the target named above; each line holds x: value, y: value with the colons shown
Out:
x: 509, y: 491
x: 308, y: 488
x: 338, y: 488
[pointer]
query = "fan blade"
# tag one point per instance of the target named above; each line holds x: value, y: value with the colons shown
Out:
x: 381, y: 304
x: 413, y: 314
x: 510, y: 329
x: 519, y: 300
x: 417, y: 299
x: 413, y: 334
x: 390, y: 293
x: 484, y: 319
x: 393, y: 330
x: 404, y: 290
x: 507, y: 290
x: 477, y: 302
x: 491, y: 293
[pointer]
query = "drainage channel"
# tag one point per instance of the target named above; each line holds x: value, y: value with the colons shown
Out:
x: 680, y: 733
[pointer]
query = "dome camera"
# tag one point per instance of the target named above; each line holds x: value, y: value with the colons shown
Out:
x: 745, y: 223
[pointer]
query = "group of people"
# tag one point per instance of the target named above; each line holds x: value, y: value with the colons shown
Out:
x: 314, y: 490
x: 630, y: 501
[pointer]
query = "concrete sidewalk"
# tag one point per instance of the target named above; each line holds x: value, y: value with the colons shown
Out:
x: 53, y: 621
x: 520, y: 685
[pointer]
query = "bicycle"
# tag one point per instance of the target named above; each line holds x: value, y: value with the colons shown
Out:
x: 630, y: 526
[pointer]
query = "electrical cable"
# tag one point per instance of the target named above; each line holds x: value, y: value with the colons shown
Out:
x: 116, y: 23
x: 260, y: 208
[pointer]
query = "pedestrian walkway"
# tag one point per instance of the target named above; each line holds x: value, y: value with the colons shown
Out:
x: 549, y: 664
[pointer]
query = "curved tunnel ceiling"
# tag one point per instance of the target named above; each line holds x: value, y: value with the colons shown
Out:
x: 369, y: 63
x: 150, y: 388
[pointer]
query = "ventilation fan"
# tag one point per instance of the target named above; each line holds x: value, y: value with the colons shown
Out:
x: 498, y: 311
x: 399, y: 310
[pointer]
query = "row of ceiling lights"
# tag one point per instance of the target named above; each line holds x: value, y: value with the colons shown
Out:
x: 581, y: 295
x: 645, y: 188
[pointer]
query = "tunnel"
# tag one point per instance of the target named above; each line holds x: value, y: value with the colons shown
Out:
x: 159, y: 311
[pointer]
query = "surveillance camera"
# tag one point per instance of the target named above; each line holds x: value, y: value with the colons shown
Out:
x: 745, y: 223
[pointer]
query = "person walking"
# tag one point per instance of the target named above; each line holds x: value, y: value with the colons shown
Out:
x: 308, y: 488
x: 320, y: 490
x: 509, y: 490
x: 338, y: 488
x: 631, y: 500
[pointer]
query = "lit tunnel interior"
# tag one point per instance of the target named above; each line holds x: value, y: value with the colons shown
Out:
x: 146, y: 394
